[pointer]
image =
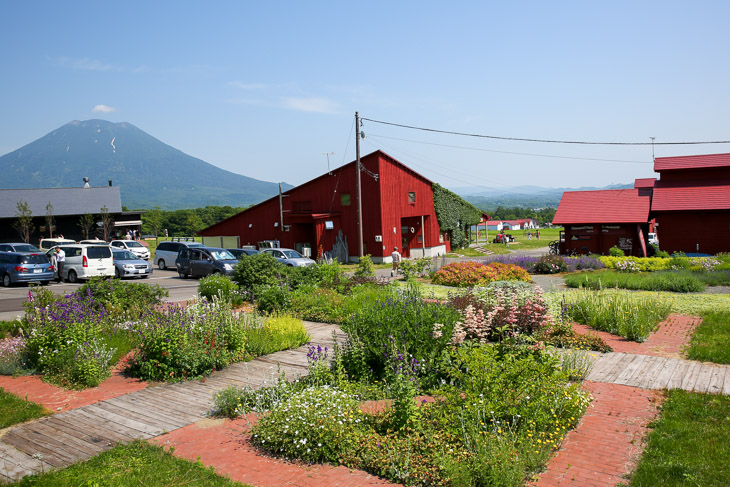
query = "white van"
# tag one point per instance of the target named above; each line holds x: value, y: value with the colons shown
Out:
x: 86, y: 261
x: 48, y: 243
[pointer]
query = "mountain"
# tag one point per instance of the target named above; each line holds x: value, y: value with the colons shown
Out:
x: 523, y: 196
x: 148, y: 172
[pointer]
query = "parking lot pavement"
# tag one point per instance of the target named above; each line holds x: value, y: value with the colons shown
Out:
x: 12, y: 298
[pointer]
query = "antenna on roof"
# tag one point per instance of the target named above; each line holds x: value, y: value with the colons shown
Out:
x: 652, y: 149
x: 328, y: 154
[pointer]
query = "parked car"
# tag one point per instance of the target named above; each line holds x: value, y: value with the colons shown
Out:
x: 653, y: 239
x: 18, y: 247
x: 48, y: 243
x: 133, y: 246
x: 204, y: 261
x: 126, y: 264
x: 289, y: 257
x: 240, y: 253
x: 25, y: 267
x: 168, y: 251
x: 85, y: 261
x: 95, y: 241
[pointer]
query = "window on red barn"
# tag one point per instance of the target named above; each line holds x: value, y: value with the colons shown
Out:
x: 412, y: 197
x: 345, y: 199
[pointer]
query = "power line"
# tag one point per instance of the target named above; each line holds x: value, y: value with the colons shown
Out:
x: 376, y: 136
x: 547, y: 141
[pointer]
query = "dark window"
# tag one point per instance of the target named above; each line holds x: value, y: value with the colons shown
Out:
x: 35, y: 259
x: 345, y: 199
x: 184, y: 254
x: 72, y: 251
x: 5, y: 248
x: 411, y: 196
x: 4, y: 258
x: 163, y: 246
x: 98, y: 252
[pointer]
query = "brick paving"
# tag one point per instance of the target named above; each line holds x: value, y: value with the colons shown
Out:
x: 223, y: 445
x: 669, y: 340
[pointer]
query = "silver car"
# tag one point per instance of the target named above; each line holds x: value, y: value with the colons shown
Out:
x: 289, y: 257
x: 126, y: 264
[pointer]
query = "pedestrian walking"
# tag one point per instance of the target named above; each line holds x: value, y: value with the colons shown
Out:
x: 396, y: 261
x: 60, y: 261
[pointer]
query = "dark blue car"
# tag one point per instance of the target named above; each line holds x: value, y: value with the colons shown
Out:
x: 18, y: 267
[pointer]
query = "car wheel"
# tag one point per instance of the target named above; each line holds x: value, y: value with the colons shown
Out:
x: 161, y: 264
x: 182, y: 275
x: 6, y: 280
x: 116, y: 274
x: 72, y: 277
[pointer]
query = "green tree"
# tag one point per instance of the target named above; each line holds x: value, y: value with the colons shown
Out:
x: 107, y: 222
x: 152, y: 220
x: 86, y: 221
x: 24, y: 222
x: 49, y: 219
x: 194, y: 223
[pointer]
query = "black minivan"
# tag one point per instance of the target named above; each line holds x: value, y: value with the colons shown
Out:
x: 204, y: 261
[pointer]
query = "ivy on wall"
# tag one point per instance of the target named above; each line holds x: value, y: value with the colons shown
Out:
x: 454, y: 215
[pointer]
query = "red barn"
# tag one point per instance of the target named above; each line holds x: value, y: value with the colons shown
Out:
x: 691, y: 203
x: 397, y: 211
x: 595, y: 221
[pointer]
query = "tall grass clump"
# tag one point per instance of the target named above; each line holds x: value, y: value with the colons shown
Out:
x: 628, y: 315
x: 681, y: 282
x: 274, y: 333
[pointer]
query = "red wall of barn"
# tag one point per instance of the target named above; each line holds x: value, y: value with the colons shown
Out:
x: 681, y: 231
x: 682, y: 176
x: 384, y: 203
x: 599, y: 238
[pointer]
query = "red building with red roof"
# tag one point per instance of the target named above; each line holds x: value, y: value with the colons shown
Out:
x: 397, y: 204
x: 688, y: 206
x: 691, y: 203
x: 595, y: 221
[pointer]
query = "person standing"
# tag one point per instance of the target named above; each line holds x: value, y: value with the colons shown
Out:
x: 60, y: 261
x: 396, y: 261
x: 54, y: 259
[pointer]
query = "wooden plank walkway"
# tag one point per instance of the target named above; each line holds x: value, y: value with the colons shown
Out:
x: 76, y: 435
x: 660, y: 373
x: 68, y: 437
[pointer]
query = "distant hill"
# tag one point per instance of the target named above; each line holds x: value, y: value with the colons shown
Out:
x: 523, y: 196
x: 149, y: 172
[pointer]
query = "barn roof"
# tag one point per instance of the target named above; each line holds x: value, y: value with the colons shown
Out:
x: 700, y: 196
x: 65, y: 201
x: 691, y: 162
x: 644, y: 183
x: 605, y: 206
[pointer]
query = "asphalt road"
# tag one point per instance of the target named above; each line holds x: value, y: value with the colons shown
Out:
x: 12, y: 298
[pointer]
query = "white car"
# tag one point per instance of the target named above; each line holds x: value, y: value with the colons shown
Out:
x: 133, y: 246
x: 289, y: 257
x: 85, y: 261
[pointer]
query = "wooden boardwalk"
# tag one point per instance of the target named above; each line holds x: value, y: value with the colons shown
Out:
x: 76, y: 435
x: 65, y: 438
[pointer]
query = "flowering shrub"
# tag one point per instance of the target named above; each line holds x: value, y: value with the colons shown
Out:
x: 222, y: 287
x: 470, y: 273
x: 706, y: 264
x: 527, y: 262
x: 13, y: 356
x: 627, y: 266
x: 63, y: 340
x: 318, y: 424
x: 119, y: 297
x: 643, y: 264
x: 550, y: 264
x: 495, y: 312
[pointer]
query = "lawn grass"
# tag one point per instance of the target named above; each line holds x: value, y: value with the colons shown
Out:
x: 135, y: 464
x: 711, y: 340
x: 14, y: 410
x: 681, y: 282
x: 689, y: 444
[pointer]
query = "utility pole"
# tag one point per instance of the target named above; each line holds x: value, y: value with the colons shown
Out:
x: 358, y: 185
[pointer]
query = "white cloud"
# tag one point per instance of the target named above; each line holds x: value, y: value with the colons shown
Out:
x: 103, y: 109
x: 317, y: 105
x: 247, y: 86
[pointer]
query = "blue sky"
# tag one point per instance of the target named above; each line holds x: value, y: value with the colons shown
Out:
x: 265, y: 89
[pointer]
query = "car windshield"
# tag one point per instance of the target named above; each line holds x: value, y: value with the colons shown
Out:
x: 291, y: 254
x: 34, y: 259
x: 25, y: 248
x: 125, y: 255
x: 222, y: 255
x: 134, y: 244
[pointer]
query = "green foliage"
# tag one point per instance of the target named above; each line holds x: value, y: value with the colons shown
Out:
x: 258, y: 271
x: 626, y: 314
x: 273, y: 299
x: 131, y: 299
x: 23, y: 220
x: 454, y: 215
x: 471, y: 273
x: 220, y: 286
x: 643, y: 264
x: 317, y: 304
x: 14, y: 410
x: 679, y: 261
x: 415, y: 267
x: 274, y: 333
x: 365, y: 267
x: 688, y: 444
x: 681, y: 282
x: 550, y: 264
x: 710, y: 341
x: 178, y: 222
x: 137, y: 463
x: 615, y: 252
